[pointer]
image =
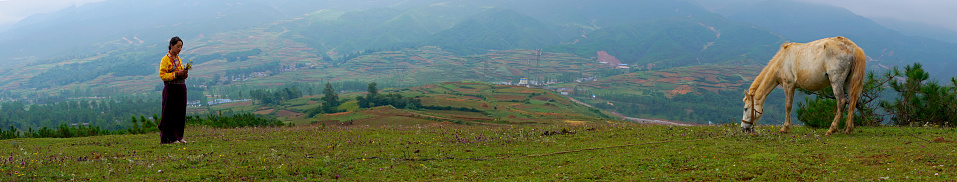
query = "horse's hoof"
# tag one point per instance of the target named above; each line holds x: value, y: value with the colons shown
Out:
x: 783, y: 131
x: 828, y: 133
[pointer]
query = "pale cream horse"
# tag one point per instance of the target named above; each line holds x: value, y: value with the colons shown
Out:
x: 835, y: 62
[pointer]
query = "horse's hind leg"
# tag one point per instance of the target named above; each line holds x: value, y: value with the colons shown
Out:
x: 841, y: 100
x: 837, y: 77
x: 854, y: 94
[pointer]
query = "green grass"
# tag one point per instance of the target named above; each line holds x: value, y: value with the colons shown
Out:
x: 460, y: 152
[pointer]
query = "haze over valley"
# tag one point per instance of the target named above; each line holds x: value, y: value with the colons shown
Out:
x: 616, y: 55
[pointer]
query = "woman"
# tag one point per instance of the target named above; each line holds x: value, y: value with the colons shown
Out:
x: 173, y: 119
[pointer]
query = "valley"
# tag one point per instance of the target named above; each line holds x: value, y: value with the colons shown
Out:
x: 466, y: 90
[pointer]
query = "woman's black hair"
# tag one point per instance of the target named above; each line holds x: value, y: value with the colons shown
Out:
x: 173, y: 42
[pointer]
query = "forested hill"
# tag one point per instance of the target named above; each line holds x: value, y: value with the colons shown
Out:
x: 679, y: 41
x: 638, y: 32
x: 494, y: 29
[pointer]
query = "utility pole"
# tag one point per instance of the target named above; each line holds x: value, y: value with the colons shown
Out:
x: 487, y: 75
x: 528, y: 70
x: 538, y: 60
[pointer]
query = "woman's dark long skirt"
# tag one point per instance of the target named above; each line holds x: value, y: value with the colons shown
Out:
x: 173, y: 119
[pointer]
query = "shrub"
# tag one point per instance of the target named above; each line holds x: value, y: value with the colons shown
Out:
x: 233, y: 121
x: 921, y: 101
x: 818, y: 113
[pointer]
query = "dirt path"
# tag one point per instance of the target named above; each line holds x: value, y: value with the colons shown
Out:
x: 580, y: 102
x: 651, y: 121
x: 636, y: 120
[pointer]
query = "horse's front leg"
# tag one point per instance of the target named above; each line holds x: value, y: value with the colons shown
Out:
x: 789, y: 99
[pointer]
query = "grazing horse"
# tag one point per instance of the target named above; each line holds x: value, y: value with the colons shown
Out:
x: 835, y: 62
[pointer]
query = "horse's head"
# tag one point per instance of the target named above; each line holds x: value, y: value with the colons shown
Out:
x: 752, y: 112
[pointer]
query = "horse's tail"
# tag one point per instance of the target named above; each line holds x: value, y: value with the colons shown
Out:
x: 855, y: 84
x: 858, y: 69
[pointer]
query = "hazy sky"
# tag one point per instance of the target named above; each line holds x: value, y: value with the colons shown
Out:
x: 12, y: 11
x: 936, y: 12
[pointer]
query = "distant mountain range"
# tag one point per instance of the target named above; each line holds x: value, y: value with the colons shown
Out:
x: 658, y: 34
x: 911, y: 28
x: 644, y: 34
x: 117, y: 24
x: 804, y: 22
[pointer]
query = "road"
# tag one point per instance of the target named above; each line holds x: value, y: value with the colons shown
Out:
x: 651, y: 121
x: 636, y: 120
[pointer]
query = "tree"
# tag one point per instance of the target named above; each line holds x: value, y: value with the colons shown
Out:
x: 148, y: 126
x: 330, y: 100
x: 311, y: 91
x: 136, y: 127
x: 575, y: 91
x: 216, y: 78
x: 9, y: 134
x: 819, y: 112
x: 920, y: 101
x: 373, y: 92
x: 953, y: 89
x: 362, y: 102
x: 938, y: 105
x: 371, y: 97
x: 904, y: 107
x: 953, y: 83
x: 156, y: 120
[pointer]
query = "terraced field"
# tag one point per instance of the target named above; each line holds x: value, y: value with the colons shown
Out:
x: 675, y: 81
x: 469, y: 103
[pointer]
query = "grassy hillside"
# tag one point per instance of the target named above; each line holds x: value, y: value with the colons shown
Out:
x: 468, y: 103
x: 456, y: 152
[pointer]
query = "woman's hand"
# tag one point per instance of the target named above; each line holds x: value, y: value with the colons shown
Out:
x: 181, y: 74
x: 184, y: 74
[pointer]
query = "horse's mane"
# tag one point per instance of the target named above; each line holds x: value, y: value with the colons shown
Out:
x: 787, y: 44
x: 769, y: 68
